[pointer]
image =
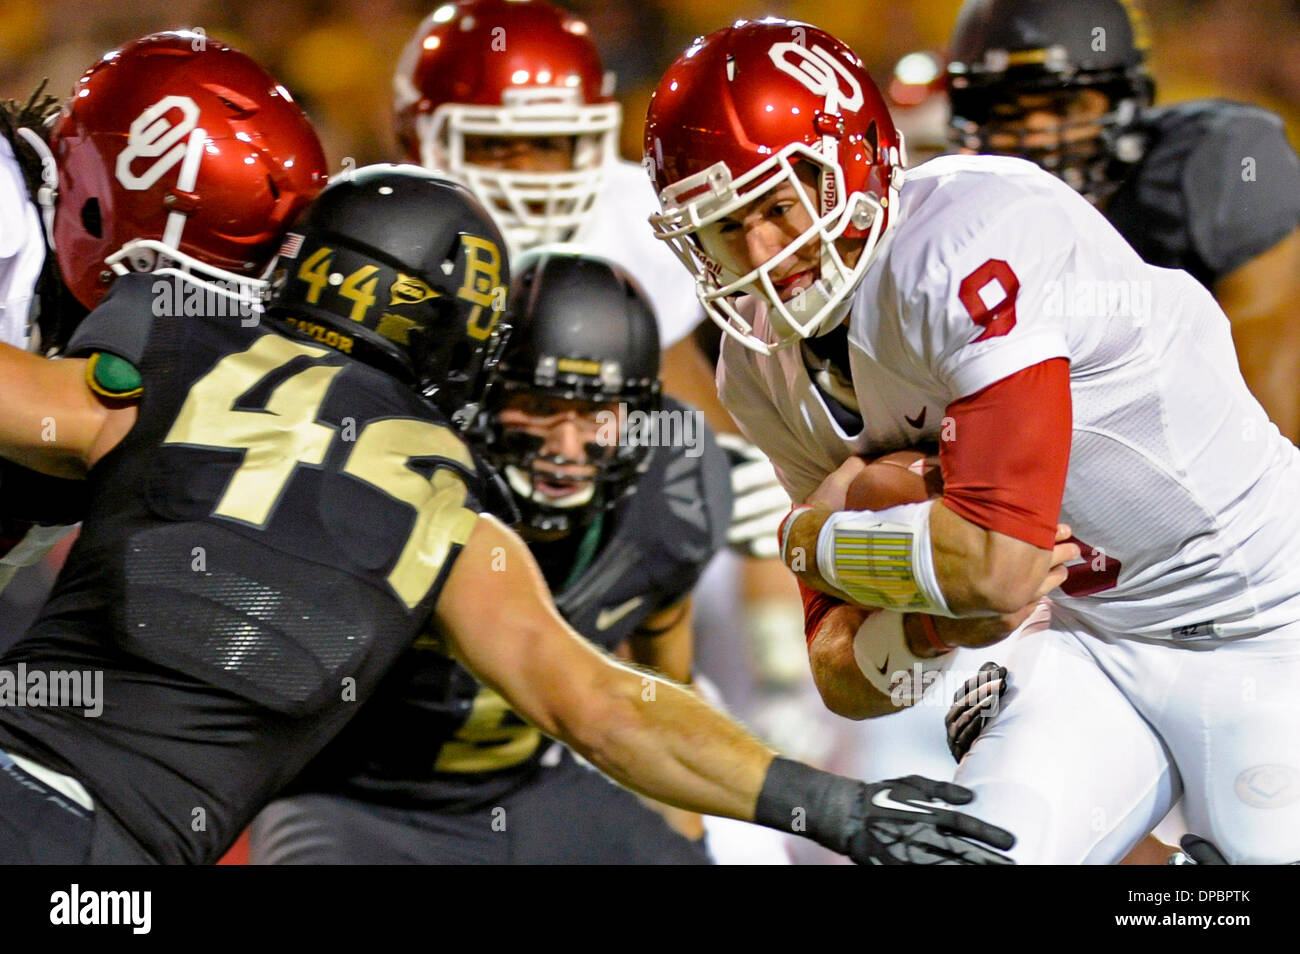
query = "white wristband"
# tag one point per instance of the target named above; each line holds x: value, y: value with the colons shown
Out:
x: 882, y: 558
x: 882, y: 654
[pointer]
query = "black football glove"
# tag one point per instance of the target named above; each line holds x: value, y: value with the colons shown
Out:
x: 901, y: 822
x: 1196, y: 851
x: 973, y: 705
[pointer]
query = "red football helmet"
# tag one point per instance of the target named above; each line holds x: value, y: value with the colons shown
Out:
x: 178, y: 154
x: 729, y: 122
x: 517, y: 69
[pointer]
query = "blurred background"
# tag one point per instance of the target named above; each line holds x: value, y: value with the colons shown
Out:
x: 337, y: 55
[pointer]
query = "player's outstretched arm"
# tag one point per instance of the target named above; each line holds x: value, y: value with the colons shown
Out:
x: 641, y: 730
x: 660, y: 740
x: 50, y: 420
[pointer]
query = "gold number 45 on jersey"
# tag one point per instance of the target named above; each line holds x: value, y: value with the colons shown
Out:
x: 286, y: 435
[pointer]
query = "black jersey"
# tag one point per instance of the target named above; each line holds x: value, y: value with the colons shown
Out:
x: 263, y: 544
x: 433, y: 736
x: 1218, y: 185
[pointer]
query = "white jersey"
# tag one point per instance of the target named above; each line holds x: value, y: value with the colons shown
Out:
x: 22, y: 250
x: 22, y: 254
x: 619, y: 230
x: 1183, y: 490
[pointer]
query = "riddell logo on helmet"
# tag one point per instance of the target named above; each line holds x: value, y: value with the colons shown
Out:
x: 830, y: 193
x: 409, y: 290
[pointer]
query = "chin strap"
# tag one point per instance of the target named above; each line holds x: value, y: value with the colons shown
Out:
x: 49, y: 189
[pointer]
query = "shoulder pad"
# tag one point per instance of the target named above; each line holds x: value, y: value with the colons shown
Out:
x: 1219, y: 185
x: 685, y: 495
x: 1242, y: 183
x: 121, y: 324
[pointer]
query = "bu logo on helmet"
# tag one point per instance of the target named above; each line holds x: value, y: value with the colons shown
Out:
x: 821, y: 72
x: 482, y: 286
x: 152, y: 135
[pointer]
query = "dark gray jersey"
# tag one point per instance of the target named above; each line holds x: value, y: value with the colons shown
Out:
x: 659, y: 543
x: 1219, y: 185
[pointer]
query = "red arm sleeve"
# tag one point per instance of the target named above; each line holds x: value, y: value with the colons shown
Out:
x: 1005, y: 464
x: 815, y: 607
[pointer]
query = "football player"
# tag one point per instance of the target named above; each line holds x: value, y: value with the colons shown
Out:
x: 511, y: 98
x: 866, y: 310
x: 274, y: 522
x: 175, y: 154
x: 441, y: 770
x: 27, y: 276
x: 1209, y: 186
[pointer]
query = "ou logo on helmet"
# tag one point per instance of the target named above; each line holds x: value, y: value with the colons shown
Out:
x: 153, y: 135
x: 821, y: 72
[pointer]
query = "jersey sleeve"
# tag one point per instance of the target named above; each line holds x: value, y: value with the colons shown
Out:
x: 1013, y: 487
x: 982, y: 304
x: 121, y: 324
x: 1242, y: 188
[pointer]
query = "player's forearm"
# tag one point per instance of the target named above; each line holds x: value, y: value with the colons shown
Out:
x: 654, y: 737
x: 963, y: 569
x: 981, y: 571
x: 662, y: 741
x: 843, y: 687
x: 49, y: 419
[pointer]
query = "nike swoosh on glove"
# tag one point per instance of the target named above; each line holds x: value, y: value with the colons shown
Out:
x: 903, y: 821
x: 759, y: 501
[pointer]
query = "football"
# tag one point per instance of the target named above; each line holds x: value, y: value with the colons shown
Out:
x: 900, y: 477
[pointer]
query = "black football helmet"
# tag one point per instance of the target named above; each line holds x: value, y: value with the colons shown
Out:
x: 581, y: 329
x: 1004, y: 50
x: 405, y: 271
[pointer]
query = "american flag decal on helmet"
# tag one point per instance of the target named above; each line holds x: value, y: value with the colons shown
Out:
x: 291, y: 245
